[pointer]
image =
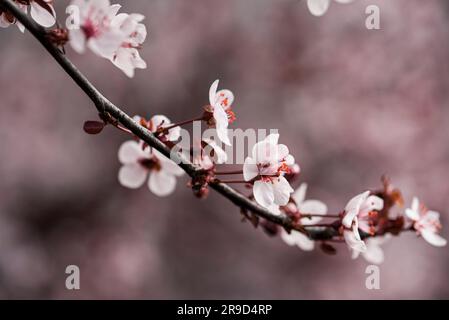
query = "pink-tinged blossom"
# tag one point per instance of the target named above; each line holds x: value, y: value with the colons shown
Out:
x: 157, y: 123
x: 357, y: 216
x: 374, y: 252
x: 221, y: 108
x: 207, y: 154
x: 267, y: 166
x: 139, y: 163
x: 320, y: 7
x: 314, y: 207
x: 110, y: 35
x: 426, y: 223
x: 41, y: 11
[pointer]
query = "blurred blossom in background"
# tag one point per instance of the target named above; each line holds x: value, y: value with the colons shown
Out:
x: 351, y: 103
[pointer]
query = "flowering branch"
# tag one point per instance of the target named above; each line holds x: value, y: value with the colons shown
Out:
x: 268, y: 170
x: 107, y: 109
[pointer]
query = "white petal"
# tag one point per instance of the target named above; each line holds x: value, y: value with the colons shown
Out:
x: 220, y: 156
x: 213, y: 92
x: 312, y: 207
x: 250, y: 170
x: 274, y: 209
x: 413, y: 212
x: 221, y: 124
x: 130, y: 152
x: 370, y: 204
x: 282, y: 191
x: 161, y: 183
x: 304, y: 242
x: 318, y: 7
x: 263, y: 193
x: 374, y: 253
x: 344, y: 1
x: 132, y: 175
x: 433, y: 238
x: 353, y: 207
x: 78, y: 40
x: 272, y: 138
x: 42, y: 16
x: 296, y: 238
x: 300, y: 194
x: 282, y: 152
x: 353, y: 240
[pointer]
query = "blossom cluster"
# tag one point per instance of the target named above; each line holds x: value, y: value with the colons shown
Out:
x: 99, y: 27
x: 366, y: 222
x: 41, y: 11
x: 364, y: 225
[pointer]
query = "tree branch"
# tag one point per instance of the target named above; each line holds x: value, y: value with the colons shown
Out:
x: 104, y: 107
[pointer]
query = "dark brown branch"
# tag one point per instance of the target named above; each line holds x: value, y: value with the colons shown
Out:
x: 105, y: 107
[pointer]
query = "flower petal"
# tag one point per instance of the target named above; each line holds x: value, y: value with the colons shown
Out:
x: 132, y: 175
x: 161, y: 183
x: 353, y: 207
x: 250, y: 170
x: 213, y: 92
x: 300, y: 194
x: 130, y: 152
x: 282, y: 191
x: 374, y: 253
x: 221, y: 124
x: 318, y: 7
x: 312, y: 207
x: 433, y: 238
x: 42, y: 15
x: 263, y: 193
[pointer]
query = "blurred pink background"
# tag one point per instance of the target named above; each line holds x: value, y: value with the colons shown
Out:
x: 352, y: 104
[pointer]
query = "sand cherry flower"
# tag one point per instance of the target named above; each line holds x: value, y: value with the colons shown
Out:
x: 315, y: 207
x: 42, y: 11
x: 426, y: 223
x: 374, y: 253
x: 319, y: 7
x: 266, y: 167
x: 127, y: 57
x: 139, y: 162
x: 357, y: 216
x: 221, y: 111
x: 156, y: 124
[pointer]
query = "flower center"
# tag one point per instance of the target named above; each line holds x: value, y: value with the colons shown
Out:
x: 150, y: 164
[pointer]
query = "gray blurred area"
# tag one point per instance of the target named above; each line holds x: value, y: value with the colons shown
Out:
x: 352, y: 104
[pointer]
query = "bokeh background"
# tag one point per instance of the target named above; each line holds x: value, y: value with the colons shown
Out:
x: 351, y: 103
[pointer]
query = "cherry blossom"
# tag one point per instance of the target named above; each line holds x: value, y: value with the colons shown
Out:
x: 319, y: 7
x: 139, y: 162
x: 267, y: 166
x: 221, y: 111
x: 315, y: 207
x: 110, y: 35
x: 374, y: 252
x: 156, y: 124
x: 357, y: 216
x: 41, y: 11
x: 426, y: 223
